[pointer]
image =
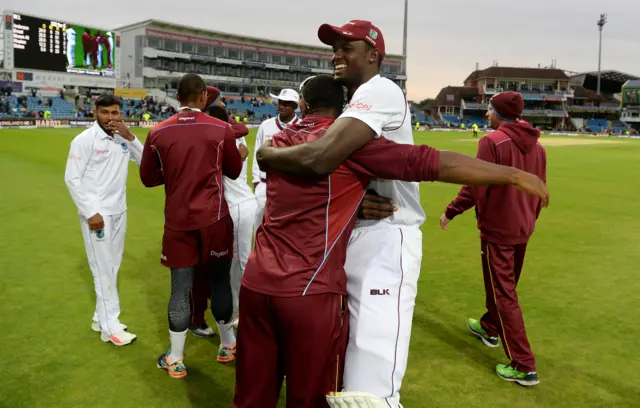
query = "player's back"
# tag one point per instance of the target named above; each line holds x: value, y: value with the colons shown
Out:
x: 190, y: 146
x: 301, y: 244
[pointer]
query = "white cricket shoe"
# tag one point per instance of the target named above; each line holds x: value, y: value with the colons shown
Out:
x: 119, y: 339
x: 95, y: 326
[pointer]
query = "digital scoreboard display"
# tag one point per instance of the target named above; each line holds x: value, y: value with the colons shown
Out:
x: 51, y: 45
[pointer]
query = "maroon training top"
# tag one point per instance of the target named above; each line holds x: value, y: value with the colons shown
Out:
x: 505, y: 214
x: 189, y: 153
x: 300, y: 247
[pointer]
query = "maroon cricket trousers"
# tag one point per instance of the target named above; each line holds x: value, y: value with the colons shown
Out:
x: 501, y: 267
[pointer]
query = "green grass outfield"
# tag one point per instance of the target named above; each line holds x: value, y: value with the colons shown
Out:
x: 579, y: 293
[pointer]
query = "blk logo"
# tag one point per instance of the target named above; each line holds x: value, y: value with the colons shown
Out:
x: 379, y: 292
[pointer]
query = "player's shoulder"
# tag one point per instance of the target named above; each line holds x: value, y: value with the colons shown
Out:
x: 378, y: 90
x: 495, y: 137
x: 85, y: 137
x: 268, y: 122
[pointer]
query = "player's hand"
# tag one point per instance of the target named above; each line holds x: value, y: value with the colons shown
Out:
x: 96, y: 223
x: 532, y: 184
x: 244, y: 152
x: 376, y: 207
x: 120, y: 128
x: 444, y: 221
x: 262, y: 154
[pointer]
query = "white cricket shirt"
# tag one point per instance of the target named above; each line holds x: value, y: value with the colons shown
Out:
x: 381, y: 104
x: 97, y: 169
x: 238, y: 191
x: 267, y: 129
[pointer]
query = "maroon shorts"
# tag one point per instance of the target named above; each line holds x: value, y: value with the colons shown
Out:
x: 304, y: 338
x: 184, y: 249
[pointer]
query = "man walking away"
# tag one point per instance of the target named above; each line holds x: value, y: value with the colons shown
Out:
x: 96, y: 176
x: 506, y: 219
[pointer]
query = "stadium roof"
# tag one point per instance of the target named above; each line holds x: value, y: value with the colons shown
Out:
x: 580, y: 92
x: 459, y: 92
x: 520, y: 73
x: 610, y: 75
x: 207, y: 31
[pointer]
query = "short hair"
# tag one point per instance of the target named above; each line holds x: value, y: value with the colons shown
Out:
x: 322, y: 91
x: 108, y: 99
x: 218, y: 112
x: 190, y: 87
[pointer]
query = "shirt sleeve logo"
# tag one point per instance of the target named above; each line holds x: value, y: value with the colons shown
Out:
x: 359, y: 106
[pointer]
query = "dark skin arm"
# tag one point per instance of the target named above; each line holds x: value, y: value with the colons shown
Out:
x: 319, y: 157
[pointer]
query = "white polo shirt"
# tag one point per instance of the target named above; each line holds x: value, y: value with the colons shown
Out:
x: 381, y: 104
x: 238, y: 191
x: 97, y: 169
x: 267, y: 129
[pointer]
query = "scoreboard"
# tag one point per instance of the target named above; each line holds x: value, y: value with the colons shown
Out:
x: 50, y: 45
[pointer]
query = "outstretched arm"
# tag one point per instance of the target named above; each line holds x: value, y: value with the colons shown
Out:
x: 322, y: 156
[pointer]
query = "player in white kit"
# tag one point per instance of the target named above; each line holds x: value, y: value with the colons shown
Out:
x: 71, y: 45
x: 288, y: 100
x: 96, y: 175
x: 383, y: 257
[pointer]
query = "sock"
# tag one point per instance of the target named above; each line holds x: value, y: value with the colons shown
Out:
x: 227, y: 336
x: 177, y: 345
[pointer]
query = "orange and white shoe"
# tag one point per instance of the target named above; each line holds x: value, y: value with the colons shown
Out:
x: 226, y: 354
x: 119, y: 339
x: 175, y: 369
x: 95, y: 326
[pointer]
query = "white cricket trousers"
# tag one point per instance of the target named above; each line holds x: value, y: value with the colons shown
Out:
x: 243, y: 216
x: 261, y: 198
x: 383, y: 267
x: 105, y: 255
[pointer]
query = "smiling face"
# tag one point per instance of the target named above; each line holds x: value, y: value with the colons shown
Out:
x: 352, y: 60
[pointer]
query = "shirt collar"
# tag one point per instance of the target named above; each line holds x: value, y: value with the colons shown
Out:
x: 186, y: 107
x: 100, y: 132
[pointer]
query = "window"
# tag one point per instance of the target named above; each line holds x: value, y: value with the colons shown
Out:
x: 290, y: 60
x: 203, y: 49
x: 250, y: 56
x: 188, y: 48
x: 171, y: 45
x: 262, y: 56
x: 152, y: 63
x: 451, y: 98
x: 189, y: 67
x: 277, y: 58
x: 220, y: 52
x: 233, y: 53
x: 304, y: 62
x: 154, y: 42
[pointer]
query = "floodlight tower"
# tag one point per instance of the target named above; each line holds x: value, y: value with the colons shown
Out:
x: 404, y: 37
x: 601, y: 23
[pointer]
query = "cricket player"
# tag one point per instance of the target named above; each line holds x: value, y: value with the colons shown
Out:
x: 71, y: 45
x: 384, y: 255
x: 189, y: 153
x: 288, y: 100
x: 242, y: 206
x: 506, y: 220
x: 96, y: 175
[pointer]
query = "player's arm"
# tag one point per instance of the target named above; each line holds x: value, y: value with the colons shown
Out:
x: 231, y: 157
x: 79, y: 156
x: 370, y: 109
x: 134, y: 144
x: 151, y: 172
x: 469, y: 195
x: 543, y: 176
x: 423, y: 163
x: 322, y: 156
x: 239, y: 129
x: 255, y: 170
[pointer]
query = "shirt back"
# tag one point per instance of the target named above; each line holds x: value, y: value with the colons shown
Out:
x: 192, y: 152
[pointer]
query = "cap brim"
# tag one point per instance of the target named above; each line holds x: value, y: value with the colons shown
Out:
x: 328, y: 34
x: 273, y: 96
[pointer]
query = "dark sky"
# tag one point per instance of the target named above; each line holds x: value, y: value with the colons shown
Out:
x: 446, y: 38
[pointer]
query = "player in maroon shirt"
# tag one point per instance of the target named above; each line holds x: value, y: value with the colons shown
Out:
x: 294, y: 285
x: 506, y: 220
x: 189, y: 153
x: 88, y: 41
x: 202, y: 280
